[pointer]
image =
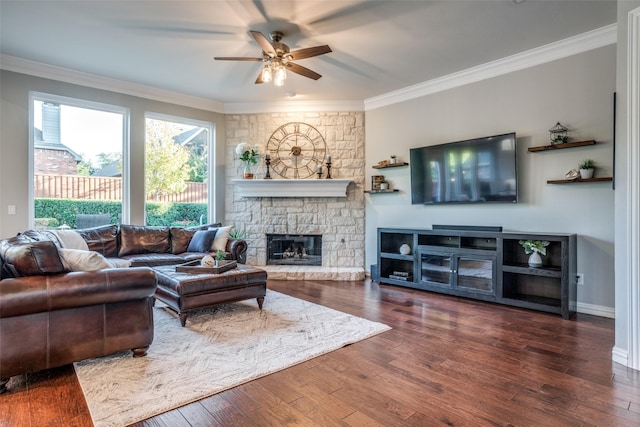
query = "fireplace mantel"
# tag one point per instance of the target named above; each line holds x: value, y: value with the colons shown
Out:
x: 291, y: 187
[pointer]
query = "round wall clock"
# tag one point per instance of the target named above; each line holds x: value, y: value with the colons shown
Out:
x: 296, y: 149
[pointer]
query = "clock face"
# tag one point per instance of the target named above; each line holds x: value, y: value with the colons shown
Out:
x: 296, y: 149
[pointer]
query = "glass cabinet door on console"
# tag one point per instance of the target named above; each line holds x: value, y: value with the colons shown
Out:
x: 436, y: 269
x: 466, y: 273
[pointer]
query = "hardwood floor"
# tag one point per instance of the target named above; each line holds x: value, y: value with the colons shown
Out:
x: 447, y: 361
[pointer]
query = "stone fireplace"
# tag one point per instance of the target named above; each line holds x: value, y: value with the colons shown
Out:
x: 338, y: 219
x: 287, y: 249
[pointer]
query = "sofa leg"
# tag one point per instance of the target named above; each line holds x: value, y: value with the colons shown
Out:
x: 139, y: 352
x: 183, y: 318
x: 260, y: 301
x: 3, y: 384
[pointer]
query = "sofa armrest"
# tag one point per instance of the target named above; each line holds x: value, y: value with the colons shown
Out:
x: 36, y: 294
x: 237, y: 249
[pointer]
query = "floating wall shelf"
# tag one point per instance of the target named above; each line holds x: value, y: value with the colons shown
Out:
x: 561, y: 146
x: 580, y: 180
x: 391, y: 165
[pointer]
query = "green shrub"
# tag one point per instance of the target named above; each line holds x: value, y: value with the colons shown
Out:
x: 158, y: 213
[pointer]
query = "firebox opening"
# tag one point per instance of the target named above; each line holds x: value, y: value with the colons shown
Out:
x: 290, y: 249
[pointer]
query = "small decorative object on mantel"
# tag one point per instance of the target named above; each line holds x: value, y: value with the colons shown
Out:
x: 405, y: 249
x: 267, y: 162
x: 328, y: 161
x: 558, y: 134
x: 249, y: 156
x: 534, y: 248
x: 587, y: 168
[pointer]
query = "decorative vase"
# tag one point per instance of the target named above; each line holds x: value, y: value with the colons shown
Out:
x: 586, y: 173
x: 535, y: 260
x: 248, y: 170
x: 405, y: 249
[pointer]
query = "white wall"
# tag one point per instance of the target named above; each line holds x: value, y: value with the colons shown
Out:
x: 626, y: 340
x: 578, y: 92
x: 14, y: 141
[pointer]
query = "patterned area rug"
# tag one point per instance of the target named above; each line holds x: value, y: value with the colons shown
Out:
x: 219, y: 348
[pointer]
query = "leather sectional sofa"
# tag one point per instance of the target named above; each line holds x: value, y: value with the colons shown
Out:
x: 51, y: 316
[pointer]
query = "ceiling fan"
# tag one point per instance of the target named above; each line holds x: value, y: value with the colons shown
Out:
x: 277, y: 58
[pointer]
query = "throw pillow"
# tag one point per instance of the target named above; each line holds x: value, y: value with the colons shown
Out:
x: 79, y: 260
x: 202, y: 240
x: 222, y: 236
x: 70, y: 239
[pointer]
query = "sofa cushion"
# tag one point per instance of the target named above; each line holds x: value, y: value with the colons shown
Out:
x: 102, y: 239
x: 137, y: 239
x: 152, y: 260
x: 180, y: 238
x: 80, y: 260
x: 30, y: 258
x: 202, y: 240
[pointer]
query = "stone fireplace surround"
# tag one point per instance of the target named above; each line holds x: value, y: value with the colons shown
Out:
x: 340, y: 220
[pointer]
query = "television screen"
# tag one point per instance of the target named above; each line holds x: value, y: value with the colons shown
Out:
x: 481, y: 170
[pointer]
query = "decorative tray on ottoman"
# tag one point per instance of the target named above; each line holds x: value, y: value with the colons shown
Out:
x: 194, y: 267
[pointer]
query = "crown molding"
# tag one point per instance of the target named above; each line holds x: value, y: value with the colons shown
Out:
x: 600, y: 37
x: 38, y: 69
x: 584, y: 42
x: 292, y: 107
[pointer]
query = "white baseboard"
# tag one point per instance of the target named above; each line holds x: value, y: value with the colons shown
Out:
x: 596, y: 310
x: 620, y: 356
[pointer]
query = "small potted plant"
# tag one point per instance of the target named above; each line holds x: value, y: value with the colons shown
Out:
x: 220, y: 255
x: 586, y: 168
x: 534, y: 248
x: 394, y: 159
x: 384, y: 184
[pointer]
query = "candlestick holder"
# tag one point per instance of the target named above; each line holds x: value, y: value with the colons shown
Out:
x: 328, y: 170
x: 267, y: 162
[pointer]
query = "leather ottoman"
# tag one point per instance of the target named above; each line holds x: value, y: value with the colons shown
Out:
x: 184, y: 292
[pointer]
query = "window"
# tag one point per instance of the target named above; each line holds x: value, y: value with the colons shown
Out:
x: 78, y: 162
x: 177, y: 171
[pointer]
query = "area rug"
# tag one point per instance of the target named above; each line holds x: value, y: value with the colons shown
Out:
x: 220, y: 348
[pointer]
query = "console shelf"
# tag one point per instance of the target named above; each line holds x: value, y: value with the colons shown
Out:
x: 483, y: 265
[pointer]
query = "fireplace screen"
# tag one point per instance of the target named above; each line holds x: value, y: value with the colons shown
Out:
x: 294, y: 249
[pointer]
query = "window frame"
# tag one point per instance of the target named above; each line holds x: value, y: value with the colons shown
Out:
x: 211, y: 145
x: 86, y: 104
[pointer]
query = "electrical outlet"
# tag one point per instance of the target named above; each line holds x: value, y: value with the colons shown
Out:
x: 12, y: 210
x: 580, y: 279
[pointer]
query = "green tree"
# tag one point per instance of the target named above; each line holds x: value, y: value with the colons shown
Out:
x: 166, y: 163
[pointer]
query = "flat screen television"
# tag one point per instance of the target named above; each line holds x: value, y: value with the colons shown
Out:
x: 481, y: 170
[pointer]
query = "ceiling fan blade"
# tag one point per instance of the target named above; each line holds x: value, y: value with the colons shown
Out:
x: 266, y: 46
x: 309, y: 52
x: 303, y: 71
x: 236, y: 58
x: 259, y: 80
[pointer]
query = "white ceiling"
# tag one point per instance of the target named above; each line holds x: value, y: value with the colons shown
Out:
x: 378, y: 46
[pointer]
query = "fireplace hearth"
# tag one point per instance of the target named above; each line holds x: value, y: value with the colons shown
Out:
x: 294, y: 249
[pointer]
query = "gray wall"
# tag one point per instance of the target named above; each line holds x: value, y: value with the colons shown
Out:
x: 578, y: 92
x: 14, y: 141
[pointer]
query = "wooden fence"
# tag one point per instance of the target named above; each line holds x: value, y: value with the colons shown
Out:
x: 104, y: 188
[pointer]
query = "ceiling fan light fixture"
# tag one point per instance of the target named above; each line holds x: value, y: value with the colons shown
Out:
x: 267, y: 74
x: 280, y: 76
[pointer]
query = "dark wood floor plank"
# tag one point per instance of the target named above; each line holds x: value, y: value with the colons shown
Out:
x: 446, y: 361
